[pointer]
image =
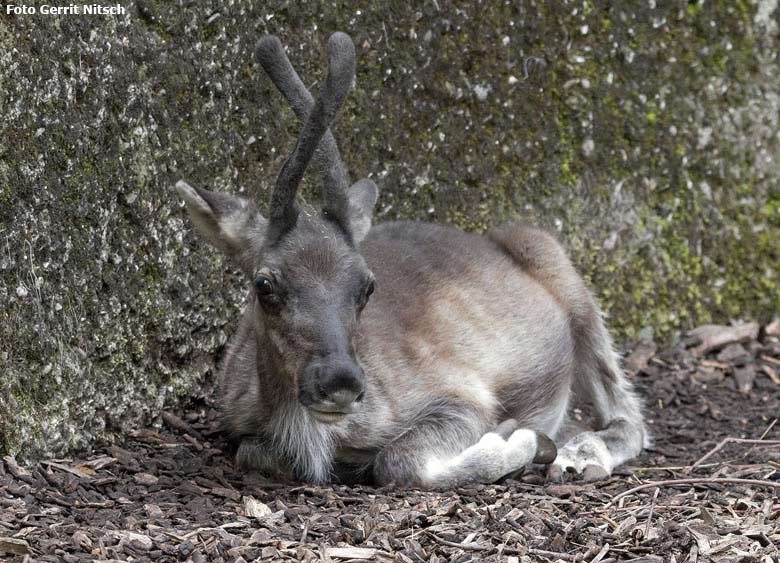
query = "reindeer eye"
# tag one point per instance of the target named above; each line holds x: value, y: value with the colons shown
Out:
x: 368, y: 289
x: 264, y: 286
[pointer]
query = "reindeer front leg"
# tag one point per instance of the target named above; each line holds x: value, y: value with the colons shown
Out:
x: 447, y: 451
x: 257, y: 453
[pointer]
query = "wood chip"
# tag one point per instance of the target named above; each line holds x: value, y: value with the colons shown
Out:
x: 640, y: 356
x: 351, y: 552
x: 135, y: 540
x: 16, y: 470
x: 145, y: 479
x: 225, y: 492
x: 255, y: 508
x: 601, y: 554
x: 14, y: 546
x: 81, y: 540
x: 99, y: 463
x: 262, y: 537
x: 744, y: 376
x: 713, y: 337
x: 153, y: 511
x: 177, y: 423
x: 86, y: 472
x: 771, y: 374
x: 714, y: 364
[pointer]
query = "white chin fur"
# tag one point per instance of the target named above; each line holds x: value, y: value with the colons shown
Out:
x: 327, y: 417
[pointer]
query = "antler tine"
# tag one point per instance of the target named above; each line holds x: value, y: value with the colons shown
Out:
x: 272, y: 57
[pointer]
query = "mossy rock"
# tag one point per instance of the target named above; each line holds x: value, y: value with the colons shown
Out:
x: 646, y: 139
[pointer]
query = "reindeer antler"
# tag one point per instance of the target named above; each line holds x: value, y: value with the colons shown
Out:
x: 341, y: 70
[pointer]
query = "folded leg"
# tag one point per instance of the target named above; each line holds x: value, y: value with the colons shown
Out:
x: 449, y: 448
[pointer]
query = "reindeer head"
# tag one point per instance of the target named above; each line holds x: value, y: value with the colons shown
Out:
x: 310, y: 282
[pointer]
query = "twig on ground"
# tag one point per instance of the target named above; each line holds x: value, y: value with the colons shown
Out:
x: 723, y: 443
x: 637, y: 508
x: 635, y: 469
x: 650, y: 515
x: 702, y: 481
x: 178, y: 424
x: 225, y: 526
x: 763, y: 435
x: 769, y: 359
x: 769, y: 429
x: 463, y: 546
x: 611, y: 522
x: 601, y: 554
x: 67, y: 469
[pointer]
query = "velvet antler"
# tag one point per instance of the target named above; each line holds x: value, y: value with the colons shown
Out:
x: 316, y: 115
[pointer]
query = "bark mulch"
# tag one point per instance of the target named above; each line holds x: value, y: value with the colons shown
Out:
x: 708, y: 490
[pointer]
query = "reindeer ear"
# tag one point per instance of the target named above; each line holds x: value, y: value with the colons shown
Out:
x: 228, y: 222
x: 362, y: 198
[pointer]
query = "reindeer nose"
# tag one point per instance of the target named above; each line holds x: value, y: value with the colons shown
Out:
x: 345, y: 397
x: 343, y: 385
x: 332, y: 386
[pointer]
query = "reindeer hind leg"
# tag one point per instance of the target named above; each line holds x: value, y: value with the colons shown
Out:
x: 620, y: 431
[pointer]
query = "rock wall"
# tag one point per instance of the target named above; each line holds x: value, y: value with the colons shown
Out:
x: 646, y: 138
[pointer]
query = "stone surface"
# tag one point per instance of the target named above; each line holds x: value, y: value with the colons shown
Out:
x: 647, y: 139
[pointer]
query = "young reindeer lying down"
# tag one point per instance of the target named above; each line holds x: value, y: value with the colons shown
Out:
x: 405, y: 353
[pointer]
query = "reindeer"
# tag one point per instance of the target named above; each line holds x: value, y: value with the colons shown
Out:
x: 406, y: 353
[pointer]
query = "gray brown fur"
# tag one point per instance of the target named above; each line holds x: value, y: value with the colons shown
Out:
x: 467, y: 356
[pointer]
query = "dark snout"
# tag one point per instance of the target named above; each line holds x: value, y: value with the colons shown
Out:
x: 332, y: 388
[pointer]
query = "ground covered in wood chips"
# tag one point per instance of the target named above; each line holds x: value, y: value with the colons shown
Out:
x: 173, y: 494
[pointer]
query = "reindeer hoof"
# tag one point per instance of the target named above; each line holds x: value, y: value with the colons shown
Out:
x: 546, y: 451
x: 585, y: 457
x: 594, y: 473
x: 555, y: 474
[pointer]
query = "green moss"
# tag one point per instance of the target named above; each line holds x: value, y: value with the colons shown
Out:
x: 672, y: 283
x: 694, y: 8
x: 24, y: 401
x: 5, y: 197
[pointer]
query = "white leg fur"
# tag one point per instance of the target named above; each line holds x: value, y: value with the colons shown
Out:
x: 486, y: 461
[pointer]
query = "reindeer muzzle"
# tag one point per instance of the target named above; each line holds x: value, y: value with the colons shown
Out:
x: 332, y: 388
